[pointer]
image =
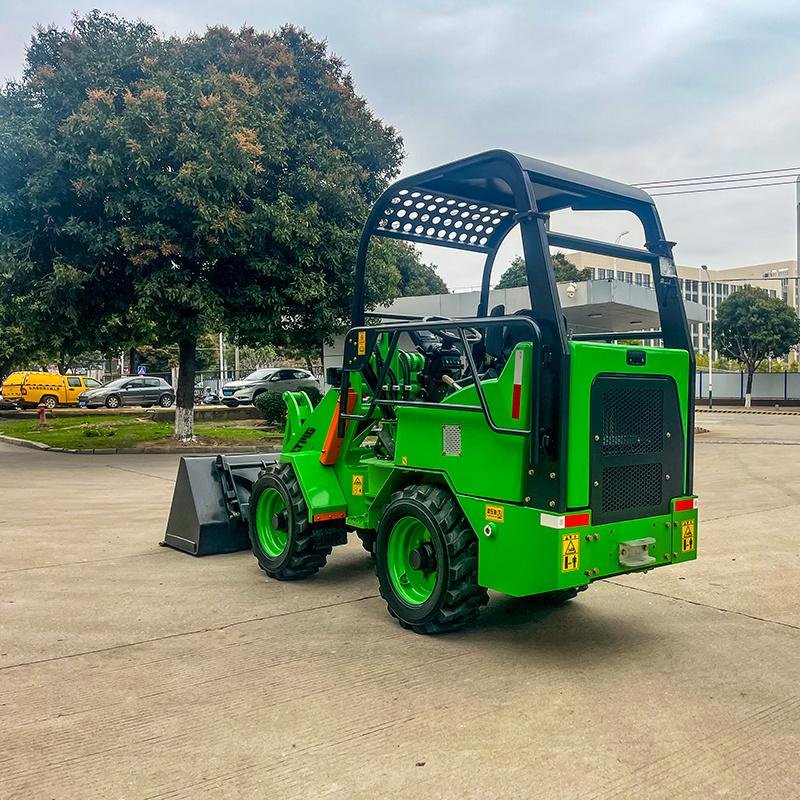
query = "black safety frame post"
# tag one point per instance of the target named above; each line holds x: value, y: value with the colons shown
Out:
x: 473, y: 204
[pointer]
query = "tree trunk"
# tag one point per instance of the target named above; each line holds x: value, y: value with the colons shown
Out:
x: 749, y: 390
x: 132, y: 361
x: 184, y: 392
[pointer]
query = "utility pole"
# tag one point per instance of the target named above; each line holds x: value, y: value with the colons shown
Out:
x: 221, y: 361
x: 710, y: 339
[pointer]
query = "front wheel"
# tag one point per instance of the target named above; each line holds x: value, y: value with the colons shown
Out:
x: 112, y: 401
x: 280, y: 534
x: 426, y: 558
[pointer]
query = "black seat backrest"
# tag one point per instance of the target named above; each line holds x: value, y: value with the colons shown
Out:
x: 493, y: 340
x: 514, y: 334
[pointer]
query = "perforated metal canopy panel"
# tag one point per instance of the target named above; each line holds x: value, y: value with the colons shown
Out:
x: 429, y: 218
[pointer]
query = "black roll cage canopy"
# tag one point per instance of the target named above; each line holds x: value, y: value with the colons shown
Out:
x: 472, y: 204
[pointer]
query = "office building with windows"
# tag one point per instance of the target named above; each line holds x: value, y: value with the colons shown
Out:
x: 778, y: 278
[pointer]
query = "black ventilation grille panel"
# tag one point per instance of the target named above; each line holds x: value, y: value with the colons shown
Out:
x: 633, y: 419
x: 630, y: 486
x: 636, y: 461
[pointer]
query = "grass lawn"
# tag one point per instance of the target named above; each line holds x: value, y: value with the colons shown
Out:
x: 76, y: 433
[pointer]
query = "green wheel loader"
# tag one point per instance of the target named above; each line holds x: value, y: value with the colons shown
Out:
x: 497, y: 451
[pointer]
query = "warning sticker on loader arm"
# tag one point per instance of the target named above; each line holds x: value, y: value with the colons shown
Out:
x: 570, y: 552
x: 358, y: 485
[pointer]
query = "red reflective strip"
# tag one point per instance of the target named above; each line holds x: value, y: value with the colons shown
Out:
x: 516, y: 399
x: 576, y: 520
x: 325, y: 516
x: 685, y: 505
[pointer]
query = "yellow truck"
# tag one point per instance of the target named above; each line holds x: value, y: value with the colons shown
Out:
x: 27, y: 389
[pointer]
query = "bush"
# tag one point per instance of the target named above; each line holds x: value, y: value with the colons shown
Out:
x: 314, y: 395
x: 94, y: 431
x: 272, y: 407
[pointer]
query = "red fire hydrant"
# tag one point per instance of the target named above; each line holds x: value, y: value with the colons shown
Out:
x: 42, y: 409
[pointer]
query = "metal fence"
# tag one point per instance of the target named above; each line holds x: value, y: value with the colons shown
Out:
x: 766, y: 385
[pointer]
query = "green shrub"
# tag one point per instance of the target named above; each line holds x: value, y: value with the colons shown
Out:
x: 314, y: 395
x: 272, y: 407
x: 94, y: 431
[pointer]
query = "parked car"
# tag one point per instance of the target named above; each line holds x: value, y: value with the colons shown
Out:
x: 274, y: 379
x: 31, y: 388
x: 129, y: 391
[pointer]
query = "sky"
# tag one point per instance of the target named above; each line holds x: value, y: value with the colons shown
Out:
x: 629, y: 90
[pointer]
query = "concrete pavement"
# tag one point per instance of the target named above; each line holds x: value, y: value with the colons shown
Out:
x: 132, y: 671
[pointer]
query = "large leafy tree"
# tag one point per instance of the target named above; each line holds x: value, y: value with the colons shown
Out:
x: 564, y: 270
x: 751, y: 326
x: 187, y: 185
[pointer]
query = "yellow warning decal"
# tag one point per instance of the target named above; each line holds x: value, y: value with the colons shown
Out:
x: 495, y: 513
x: 687, y: 535
x: 362, y: 343
x: 570, y: 552
x: 358, y: 485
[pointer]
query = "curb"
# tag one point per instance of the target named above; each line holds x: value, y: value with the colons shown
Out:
x: 129, y: 451
x: 746, y: 411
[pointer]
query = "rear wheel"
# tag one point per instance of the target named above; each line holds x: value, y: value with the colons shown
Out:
x: 281, y: 535
x: 368, y: 541
x: 165, y: 401
x: 112, y: 401
x: 49, y: 401
x: 427, y: 561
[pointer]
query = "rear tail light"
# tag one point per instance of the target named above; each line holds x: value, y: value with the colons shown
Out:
x: 686, y: 505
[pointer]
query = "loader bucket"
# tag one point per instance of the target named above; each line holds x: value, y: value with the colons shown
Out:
x: 209, y: 512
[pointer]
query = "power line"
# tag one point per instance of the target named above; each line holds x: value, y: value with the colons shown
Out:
x: 724, y: 188
x: 709, y: 177
x: 726, y: 180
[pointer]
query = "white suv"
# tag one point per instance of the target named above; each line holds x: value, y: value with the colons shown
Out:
x: 274, y: 379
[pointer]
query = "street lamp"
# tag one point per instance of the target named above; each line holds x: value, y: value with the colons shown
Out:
x: 617, y: 241
x: 710, y: 340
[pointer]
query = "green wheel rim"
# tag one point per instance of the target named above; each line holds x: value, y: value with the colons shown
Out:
x: 272, y: 522
x: 413, y: 586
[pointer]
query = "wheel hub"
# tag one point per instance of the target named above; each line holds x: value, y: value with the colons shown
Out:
x: 423, y: 558
x: 280, y: 521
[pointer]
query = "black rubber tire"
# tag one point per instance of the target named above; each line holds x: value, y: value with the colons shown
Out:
x: 111, y: 398
x: 166, y: 400
x: 51, y: 401
x: 303, y: 556
x: 457, y: 598
x: 368, y: 541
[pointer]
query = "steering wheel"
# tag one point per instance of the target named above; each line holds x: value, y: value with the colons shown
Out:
x: 472, y: 335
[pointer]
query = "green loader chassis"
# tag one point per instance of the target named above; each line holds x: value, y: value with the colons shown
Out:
x: 497, y: 452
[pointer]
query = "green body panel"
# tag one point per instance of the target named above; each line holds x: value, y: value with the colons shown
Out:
x: 490, y: 464
x: 588, y: 360
x: 521, y: 556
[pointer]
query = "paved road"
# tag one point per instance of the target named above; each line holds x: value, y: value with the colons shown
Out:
x: 131, y: 671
